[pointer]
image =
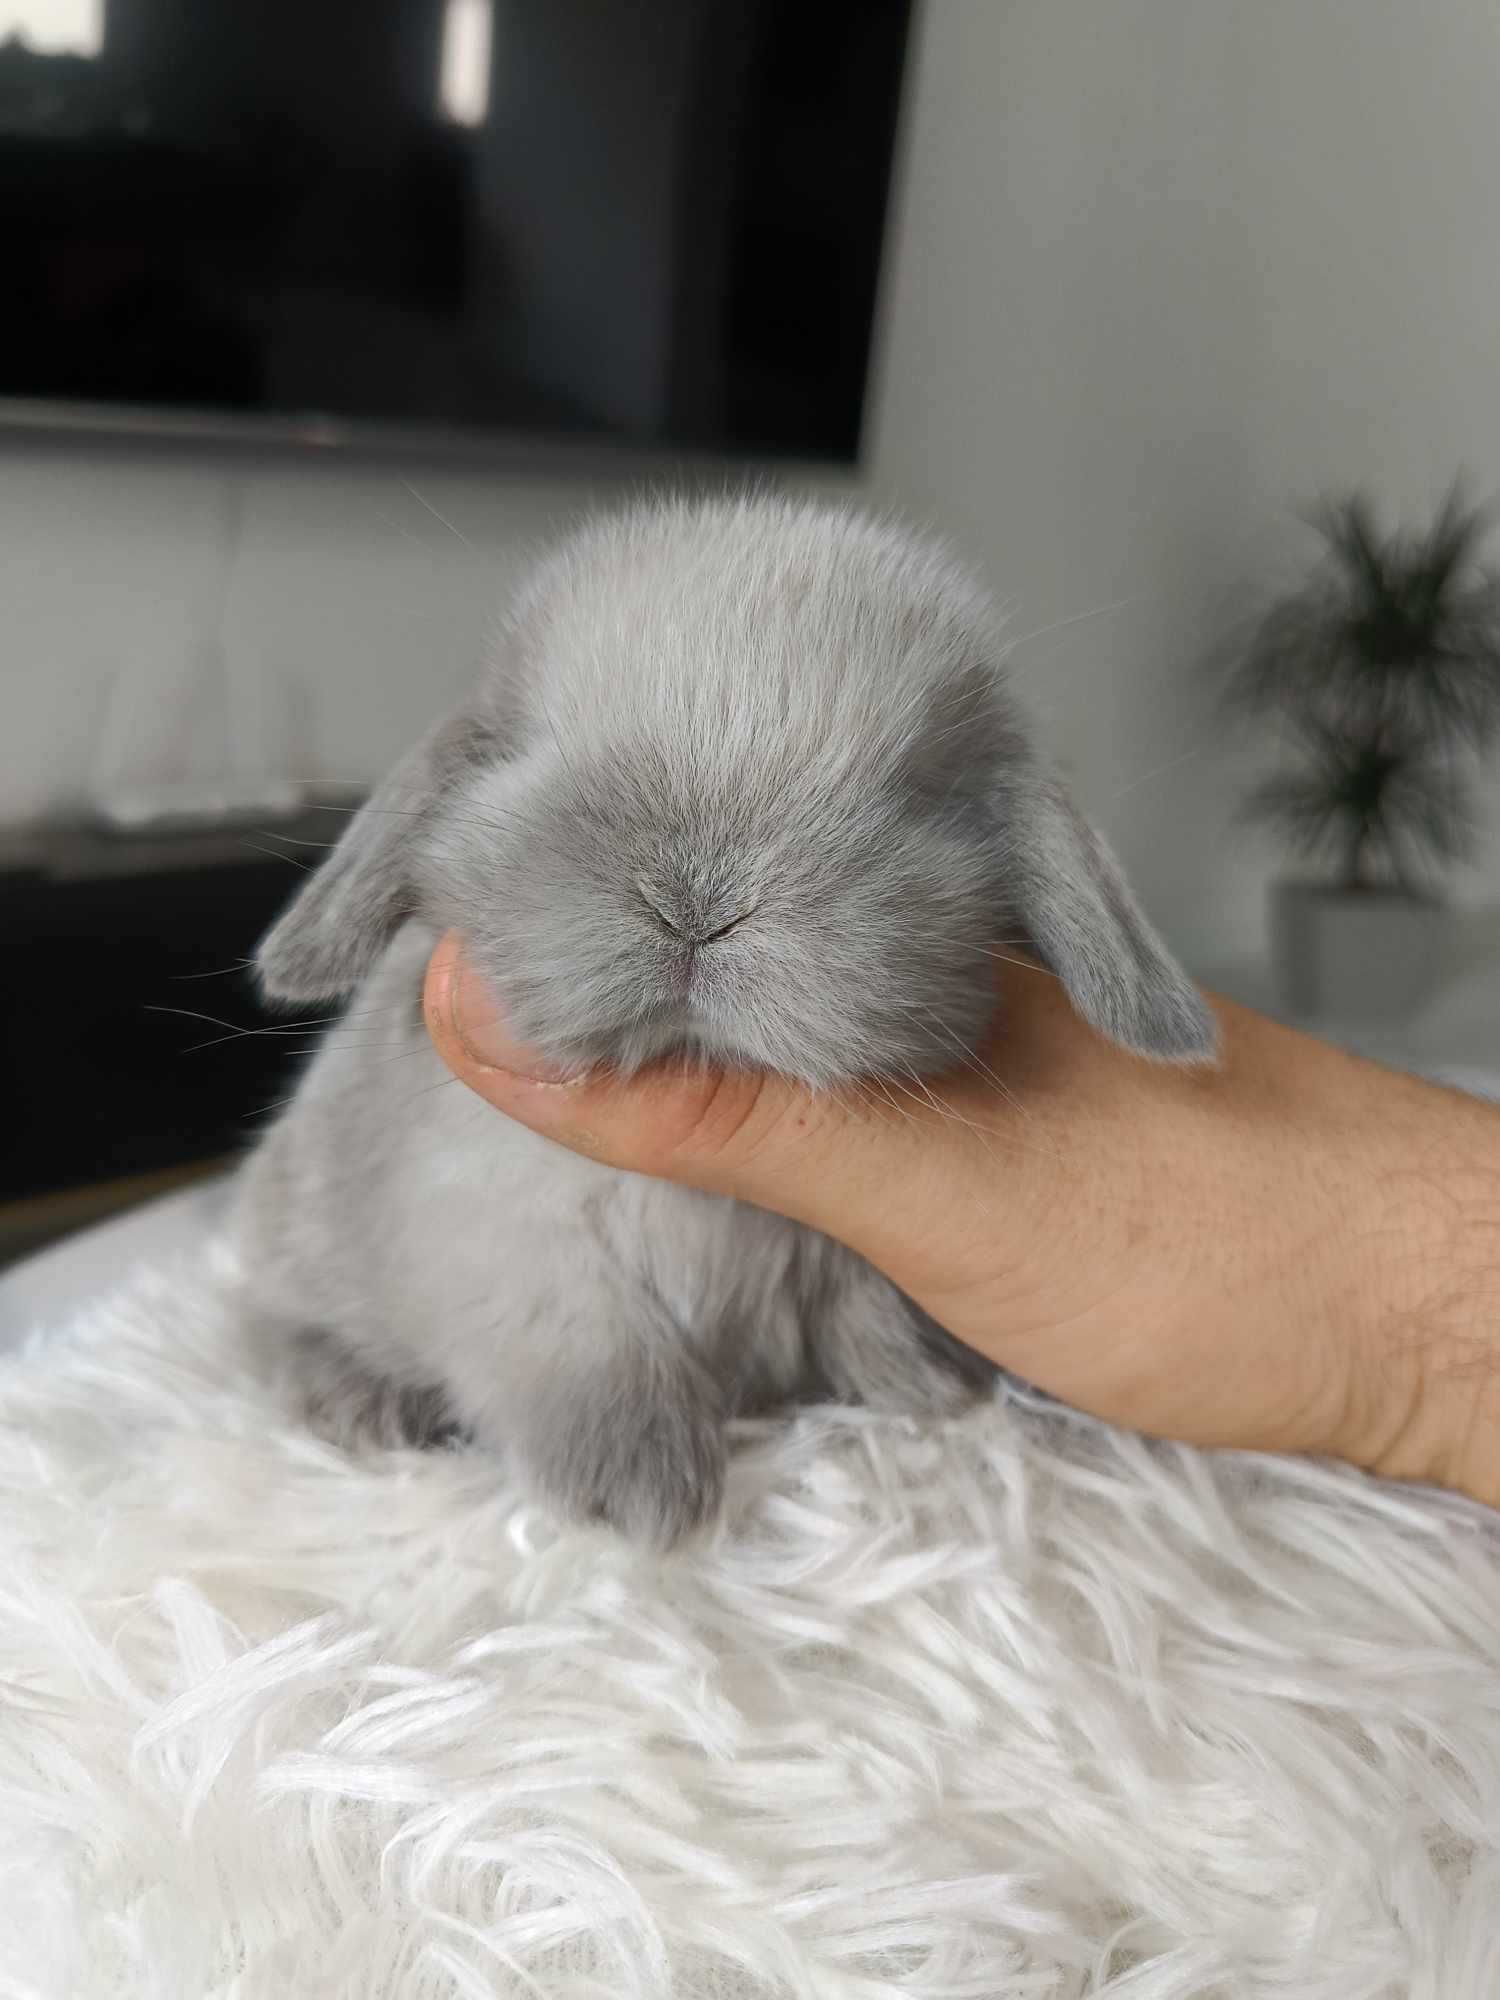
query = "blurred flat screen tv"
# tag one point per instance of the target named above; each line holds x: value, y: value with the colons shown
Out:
x: 653, y: 221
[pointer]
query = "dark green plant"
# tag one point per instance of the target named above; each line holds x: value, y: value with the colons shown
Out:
x: 1385, y: 666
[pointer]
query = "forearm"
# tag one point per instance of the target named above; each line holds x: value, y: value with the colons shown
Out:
x: 1299, y: 1250
x: 1433, y: 1331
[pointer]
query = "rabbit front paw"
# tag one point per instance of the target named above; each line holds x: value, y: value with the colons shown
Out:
x: 641, y: 1449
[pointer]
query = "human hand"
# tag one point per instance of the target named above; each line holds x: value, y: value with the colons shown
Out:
x: 1296, y: 1251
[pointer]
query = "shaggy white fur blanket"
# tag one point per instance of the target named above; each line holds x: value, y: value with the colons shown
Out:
x: 1013, y: 1708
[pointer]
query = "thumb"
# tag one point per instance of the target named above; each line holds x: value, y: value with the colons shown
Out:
x: 827, y: 1159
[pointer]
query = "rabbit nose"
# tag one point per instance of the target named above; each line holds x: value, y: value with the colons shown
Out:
x: 720, y: 930
x: 693, y: 926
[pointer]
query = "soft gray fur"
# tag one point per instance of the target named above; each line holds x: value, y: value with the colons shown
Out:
x: 743, y: 783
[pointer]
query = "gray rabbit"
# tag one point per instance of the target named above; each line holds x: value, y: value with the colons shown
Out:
x: 743, y: 784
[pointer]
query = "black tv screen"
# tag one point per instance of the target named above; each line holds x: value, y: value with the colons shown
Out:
x: 657, y: 221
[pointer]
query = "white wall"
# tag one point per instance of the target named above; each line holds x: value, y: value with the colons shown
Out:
x: 1163, y: 270
x: 1160, y: 269
x: 1063, y: 381
x: 1371, y: 180
x: 350, y: 602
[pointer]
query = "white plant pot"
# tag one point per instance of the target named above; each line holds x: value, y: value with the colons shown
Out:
x: 1358, y: 956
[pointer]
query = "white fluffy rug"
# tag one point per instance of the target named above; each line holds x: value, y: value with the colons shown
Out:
x: 1014, y: 1708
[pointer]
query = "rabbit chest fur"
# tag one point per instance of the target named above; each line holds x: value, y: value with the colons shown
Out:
x: 595, y: 1328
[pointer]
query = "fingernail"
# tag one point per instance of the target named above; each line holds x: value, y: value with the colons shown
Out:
x: 479, y: 1025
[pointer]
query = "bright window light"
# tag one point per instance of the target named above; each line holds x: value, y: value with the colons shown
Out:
x: 54, y: 27
x: 464, y: 83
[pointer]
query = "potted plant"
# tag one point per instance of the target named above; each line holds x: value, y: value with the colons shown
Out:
x: 1384, y: 671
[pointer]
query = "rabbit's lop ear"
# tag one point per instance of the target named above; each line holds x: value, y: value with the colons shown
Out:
x: 1088, y: 928
x: 331, y: 934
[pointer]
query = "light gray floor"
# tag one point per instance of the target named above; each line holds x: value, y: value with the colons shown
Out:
x: 46, y: 1289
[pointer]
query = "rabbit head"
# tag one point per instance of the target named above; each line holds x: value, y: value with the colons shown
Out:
x: 743, y: 781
